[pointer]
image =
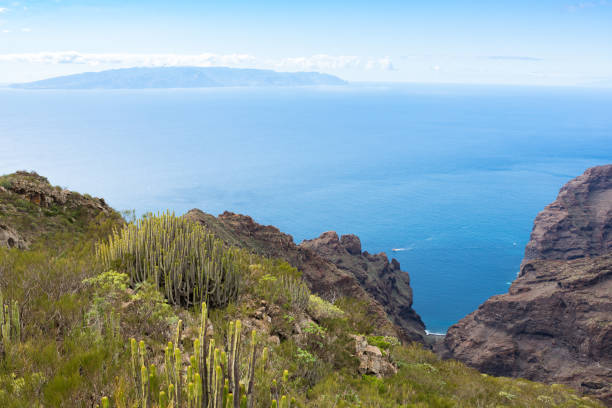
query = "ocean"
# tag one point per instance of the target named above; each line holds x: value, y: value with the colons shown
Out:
x: 450, y: 176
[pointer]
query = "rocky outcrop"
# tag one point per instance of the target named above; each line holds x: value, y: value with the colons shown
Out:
x: 9, y: 238
x: 31, y: 208
x: 579, y: 222
x: 383, y: 280
x: 372, y: 361
x: 37, y: 189
x: 555, y: 323
x: 323, y: 276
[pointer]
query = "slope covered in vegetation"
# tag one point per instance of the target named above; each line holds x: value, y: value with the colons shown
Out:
x: 79, y: 309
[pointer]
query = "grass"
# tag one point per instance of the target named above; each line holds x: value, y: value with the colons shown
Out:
x: 77, y: 318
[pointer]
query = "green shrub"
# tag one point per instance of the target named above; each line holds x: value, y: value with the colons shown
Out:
x: 383, y: 342
x: 279, y: 282
x: 322, y: 309
x: 186, y: 262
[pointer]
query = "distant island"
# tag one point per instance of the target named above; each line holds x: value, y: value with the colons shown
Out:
x: 181, y: 77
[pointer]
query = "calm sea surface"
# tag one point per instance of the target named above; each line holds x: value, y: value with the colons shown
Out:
x: 452, y: 175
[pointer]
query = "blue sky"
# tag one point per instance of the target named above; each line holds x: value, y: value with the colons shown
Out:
x: 542, y: 42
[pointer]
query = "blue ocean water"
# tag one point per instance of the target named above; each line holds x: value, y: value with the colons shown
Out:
x: 453, y: 175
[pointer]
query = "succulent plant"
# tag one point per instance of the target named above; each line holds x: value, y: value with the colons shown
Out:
x: 186, y: 262
x: 212, y: 379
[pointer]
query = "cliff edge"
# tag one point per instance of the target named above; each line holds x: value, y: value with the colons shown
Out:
x: 324, y: 276
x: 555, y: 323
x: 382, y: 279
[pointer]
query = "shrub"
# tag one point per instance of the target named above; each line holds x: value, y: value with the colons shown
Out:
x: 186, y: 262
x: 279, y: 282
x: 322, y: 309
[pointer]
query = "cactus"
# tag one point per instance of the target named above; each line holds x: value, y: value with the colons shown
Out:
x: 212, y: 378
x: 153, y: 380
x: 134, y: 357
x: 186, y: 262
x: 163, y: 400
x: 144, y: 379
x: 10, y: 324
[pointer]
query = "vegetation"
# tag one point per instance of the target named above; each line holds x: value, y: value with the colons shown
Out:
x: 211, y: 380
x: 93, y: 323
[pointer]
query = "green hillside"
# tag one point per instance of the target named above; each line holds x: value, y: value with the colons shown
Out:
x: 103, y: 312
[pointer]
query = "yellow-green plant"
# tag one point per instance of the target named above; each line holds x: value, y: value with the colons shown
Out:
x: 186, y: 262
x: 10, y: 324
x: 212, y: 379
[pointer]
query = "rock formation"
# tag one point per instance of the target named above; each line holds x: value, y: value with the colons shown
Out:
x: 372, y: 361
x: 324, y: 277
x: 31, y: 208
x: 383, y: 280
x: 555, y: 323
x: 579, y: 222
x: 9, y: 238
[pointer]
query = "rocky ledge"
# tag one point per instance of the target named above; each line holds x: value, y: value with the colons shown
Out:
x: 555, y: 323
x: 340, y: 270
x: 31, y: 208
x: 383, y: 280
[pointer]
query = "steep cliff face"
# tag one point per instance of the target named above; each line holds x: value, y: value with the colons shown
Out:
x: 579, y: 222
x: 555, y: 322
x: 322, y: 275
x: 383, y: 280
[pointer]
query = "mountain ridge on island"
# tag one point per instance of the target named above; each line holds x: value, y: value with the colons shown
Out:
x: 182, y: 77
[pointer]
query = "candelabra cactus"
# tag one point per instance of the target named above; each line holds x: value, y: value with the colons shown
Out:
x: 10, y: 324
x: 185, y: 261
x: 212, y: 378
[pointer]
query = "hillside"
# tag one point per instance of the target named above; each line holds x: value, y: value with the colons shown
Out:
x: 181, y: 77
x: 115, y: 318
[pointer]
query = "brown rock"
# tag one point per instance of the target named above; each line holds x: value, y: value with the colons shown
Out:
x: 555, y: 323
x: 9, y: 238
x: 38, y: 190
x: 322, y: 275
x: 351, y: 243
x: 579, y: 222
x: 383, y: 280
x: 371, y: 359
x: 50, y: 209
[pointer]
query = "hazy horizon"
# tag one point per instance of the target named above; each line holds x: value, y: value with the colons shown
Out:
x: 603, y: 86
x: 517, y: 43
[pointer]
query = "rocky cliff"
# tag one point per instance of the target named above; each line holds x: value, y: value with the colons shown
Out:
x: 31, y: 208
x: 555, y: 322
x: 381, y: 279
x: 330, y: 271
x: 579, y: 222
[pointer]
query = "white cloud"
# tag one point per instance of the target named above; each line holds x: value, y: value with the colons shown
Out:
x: 329, y: 62
x: 6, y: 31
x: 319, y: 62
x: 153, y: 60
x: 587, y: 5
x: 3, y: 10
x: 26, y: 30
x: 436, y: 67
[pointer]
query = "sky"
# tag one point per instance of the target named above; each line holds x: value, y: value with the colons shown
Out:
x: 526, y: 42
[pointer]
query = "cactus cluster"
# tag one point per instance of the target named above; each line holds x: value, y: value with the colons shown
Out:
x: 213, y: 378
x: 10, y: 324
x: 186, y: 262
x: 296, y: 291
